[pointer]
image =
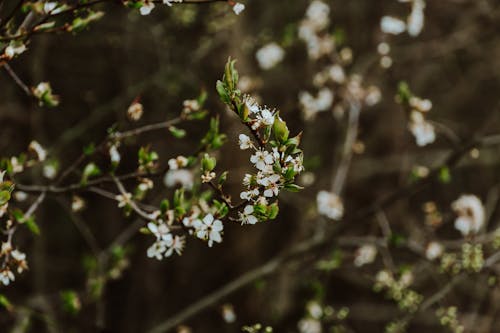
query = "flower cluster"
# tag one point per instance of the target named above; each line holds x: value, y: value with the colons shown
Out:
x: 414, y: 22
x: 336, y: 90
x: 418, y: 108
x: 11, y: 260
x: 398, y: 289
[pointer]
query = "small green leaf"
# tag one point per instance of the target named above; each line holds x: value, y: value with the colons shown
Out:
x: 177, y: 132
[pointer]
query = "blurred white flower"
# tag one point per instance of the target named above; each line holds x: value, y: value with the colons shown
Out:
x: 135, y: 111
x: 114, y: 155
x: 330, y: 205
x: 422, y: 130
x: 177, y: 163
x: 434, y: 250
x: 123, y: 200
x: 270, y: 55
x: 38, y: 149
x: 182, y: 177
x: 365, y: 255
x: 470, y: 213
x: 415, y: 20
x: 238, y: 8
x: 147, y: 7
x: 392, y: 25
x: 318, y: 13
x: 309, y: 325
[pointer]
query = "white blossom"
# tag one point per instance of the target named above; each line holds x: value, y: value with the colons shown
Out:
x: 309, y: 325
x: 38, y: 149
x: 261, y: 159
x: 471, y: 215
x: 77, y: 204
x: 209, y: 229
x: 422, y: 130
x: 177, y: 246
x: 250, y: 194
x: 6, y: 276
x: 123, y: 199
x: 161, y: 231
x: 13, y: 49
x: 177, y: 163
x: 135, y: 111
x: 169, y: 2
x: 415, y: 21
x: 49, y: 171
x: 392, y: 25
x: 270, y: 55
x: 318, y: 13
x: 330, y: 205
x: 182, y: 177
x: 147, y: 7
x: 114, y: 154
x: 365, y: 255
x: 238, y: 8
x: 157, y: 249
x: 247, y: 217
x: 244, y: 141
x: 434, y: 250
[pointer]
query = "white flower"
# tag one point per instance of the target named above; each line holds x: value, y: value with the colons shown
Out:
x: 135, y: 111
x: 337, y: 74
x: 123, y: 200
x: 318, y: 14
x: 228, y: 313
x: 207, y: 177
x: 14, y: 48
x: 38, y: 149
x: 157, y: 249
x: 250, y: 194
x: 169, y: 2
x: 246, y: 217
x: 265, y: 118
x: 16, y: 166
x: 422, y: 130
x: 2, y: 174
x: 147, y: 7
x: 161, y: 231
x: 309, y: 325
x: 177, y: 163
x: 365, y: 255
x: 18, y: 255
x: 261, y: 159
x: 330, y: 205
x: 114, y: 155
x: 434, y: 250
x: 238, y: 8
x: 49, y: 171
x: 416, y: 19
x: 6, y: 276
x: 314, y: 309
x: 244, y: 141
x: 392, y: 25
x: 209, y: 228
x: 51, y: 7
x: 20, y: 196
x: 270, y: 55
x: 190, y: 105
x: 77, y: 204
x: 470, y: 213
x: 177, y: 246
x: 182, y: 177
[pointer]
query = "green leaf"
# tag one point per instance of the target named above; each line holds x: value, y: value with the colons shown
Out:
x: 91, y: 170
x: 177, y: 132
x: 4, y: 197
x: 71, y: 301
x: 4, y: 302
x: 32, y: 226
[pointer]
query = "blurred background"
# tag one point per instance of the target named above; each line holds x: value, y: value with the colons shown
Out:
x: 174, y: 53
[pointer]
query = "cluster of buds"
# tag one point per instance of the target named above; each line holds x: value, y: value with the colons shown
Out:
x: 413, y: 24
x: 399, y: 289
x: 418, y: 108
x: 316, y: 315
x: 448, y: 318
x: 43, y: 93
